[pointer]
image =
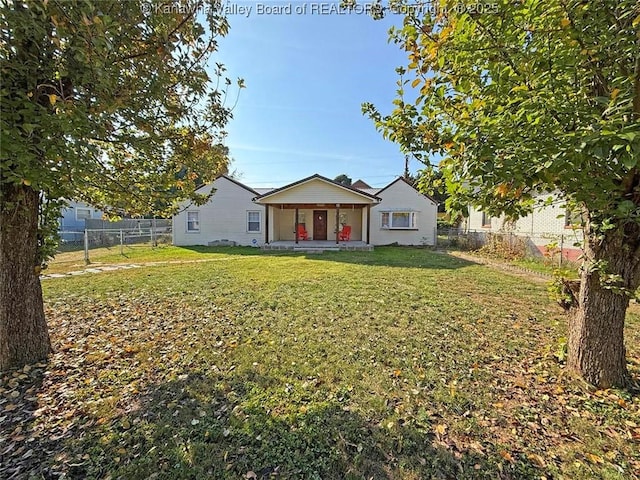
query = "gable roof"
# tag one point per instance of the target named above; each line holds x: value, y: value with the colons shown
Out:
x: 262, y: 191
x: 360, y: 184
x: 232, y: 180
x: 405, y: 181
x: 316, y: 177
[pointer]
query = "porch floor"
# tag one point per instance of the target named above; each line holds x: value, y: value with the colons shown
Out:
x: 318, y: 245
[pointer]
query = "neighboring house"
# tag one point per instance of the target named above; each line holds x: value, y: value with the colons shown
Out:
x: 548, y: 228
x: 316, y: 205
x: 72, y: 219
x: 360, y: 184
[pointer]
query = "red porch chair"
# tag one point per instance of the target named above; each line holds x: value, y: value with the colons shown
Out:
x: 302, y: 233
x: 345, y: 233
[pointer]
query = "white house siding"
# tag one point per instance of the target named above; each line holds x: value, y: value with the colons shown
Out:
x: 549, y: 220
x: 353, y: 217
x: 544, y: 226
x: 316, y: 191
x: 286, y: 223
x: 224, y: 217
x: 400, y: 196
x: 474, y: 222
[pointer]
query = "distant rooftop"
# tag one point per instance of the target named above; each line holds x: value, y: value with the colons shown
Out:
x: 360, y: 185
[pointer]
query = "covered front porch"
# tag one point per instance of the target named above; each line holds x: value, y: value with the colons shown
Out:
x: 317, y: 222
x: 317, y: 209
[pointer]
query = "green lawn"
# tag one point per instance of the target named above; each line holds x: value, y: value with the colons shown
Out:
x: 567, y: 270
x: 73, y: 261
x: 394, y: 364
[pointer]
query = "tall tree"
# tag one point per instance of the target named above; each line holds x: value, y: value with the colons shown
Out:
x: 108, y: 102
x: 528, y: 97
x: 343, y: 179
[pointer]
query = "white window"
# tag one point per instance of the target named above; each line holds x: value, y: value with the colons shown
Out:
x: 399, y: 220
x: 193, y: 221
x: 83, y: 213
x: 253, y: 222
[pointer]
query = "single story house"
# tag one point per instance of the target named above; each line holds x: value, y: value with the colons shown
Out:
x: 311, y: 209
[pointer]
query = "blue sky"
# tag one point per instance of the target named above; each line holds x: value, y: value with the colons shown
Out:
x: 307, y: 76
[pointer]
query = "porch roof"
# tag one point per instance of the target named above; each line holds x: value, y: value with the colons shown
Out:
x: 316, y: 190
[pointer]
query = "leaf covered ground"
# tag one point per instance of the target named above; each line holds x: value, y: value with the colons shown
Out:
x: 394, y: 364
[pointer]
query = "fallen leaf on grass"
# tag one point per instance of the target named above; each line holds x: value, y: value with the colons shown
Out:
x: 131, y: 349
x: 506, y: 455
x: 520, y: 383
x: 477, y: 447
x: 537, y: 460
x: 595, y: 459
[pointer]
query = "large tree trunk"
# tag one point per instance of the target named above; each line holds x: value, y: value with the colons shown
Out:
x: 596, y: 329
x: 24, y: 337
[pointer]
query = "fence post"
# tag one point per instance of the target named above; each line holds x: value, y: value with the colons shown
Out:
x: 561, y: 248
x: 86, y: 246
x: 153, y: 232
x: 121, y: 243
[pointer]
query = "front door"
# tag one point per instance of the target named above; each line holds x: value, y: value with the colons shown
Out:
x: 319, y: 224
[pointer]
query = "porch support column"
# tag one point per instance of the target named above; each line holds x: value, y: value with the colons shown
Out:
x: 296, y: 225
x: 337, y: 223
x: 266, y: 223
x: 368, y: 224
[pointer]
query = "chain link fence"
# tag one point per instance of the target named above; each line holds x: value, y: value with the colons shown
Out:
x: 116, y: 237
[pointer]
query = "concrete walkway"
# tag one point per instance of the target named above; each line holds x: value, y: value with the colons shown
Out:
x: 96, y: 269
x: 99, y: 268
x: 500, y: 265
